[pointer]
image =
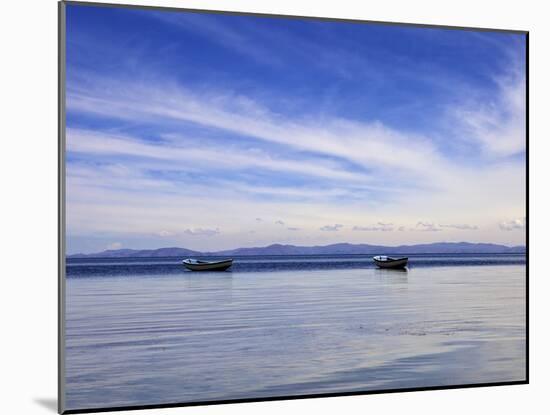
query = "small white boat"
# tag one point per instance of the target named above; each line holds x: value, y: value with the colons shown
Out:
x: 388, y: 262
x: 198, y: 265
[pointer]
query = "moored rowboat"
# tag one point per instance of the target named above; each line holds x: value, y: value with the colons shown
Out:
x: 388, y: 262
x: 197, y: 265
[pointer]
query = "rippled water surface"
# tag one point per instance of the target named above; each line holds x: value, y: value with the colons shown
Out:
x: 145, y: 331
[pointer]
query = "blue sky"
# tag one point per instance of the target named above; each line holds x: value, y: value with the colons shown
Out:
x: 212, y: 131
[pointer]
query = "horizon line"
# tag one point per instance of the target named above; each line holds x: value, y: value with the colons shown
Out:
x: 298, y: 246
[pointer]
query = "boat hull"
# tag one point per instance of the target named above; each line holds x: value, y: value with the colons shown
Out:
x: 208, y: 266
x: 392, y: 263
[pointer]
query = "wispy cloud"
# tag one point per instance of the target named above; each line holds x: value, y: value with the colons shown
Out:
x: 165, y: 234
x: 293, y: 229
x: 202, y: 232
x: 432, y: 227
x: 331, y: 228
x: 512, y: 225
x: 497, y: 126
x: 427, y: 227
x: 371, y: 145
x: 91, y: 142
x: 379, y: 227
x: 462, y: 227
x: 279, y: 222
x: 214, y: 30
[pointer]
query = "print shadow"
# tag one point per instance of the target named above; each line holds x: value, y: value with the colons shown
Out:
x: 48, y: 403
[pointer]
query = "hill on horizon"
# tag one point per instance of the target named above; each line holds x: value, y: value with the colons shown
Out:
x: 333, y: 249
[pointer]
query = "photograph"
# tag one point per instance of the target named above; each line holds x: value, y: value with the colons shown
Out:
x: 261, y: 207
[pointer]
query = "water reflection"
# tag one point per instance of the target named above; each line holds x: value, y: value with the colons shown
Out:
x: 398, y: 275
x: 391, y: 270
x: 218, y: 285
x: 153, y: 338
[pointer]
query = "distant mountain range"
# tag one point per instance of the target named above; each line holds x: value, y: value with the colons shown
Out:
x: 341, y: 248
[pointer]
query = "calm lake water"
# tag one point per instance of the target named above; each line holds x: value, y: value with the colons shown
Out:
x: 146, y: 331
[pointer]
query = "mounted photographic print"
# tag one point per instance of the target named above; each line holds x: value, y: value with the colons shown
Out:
x: 258, y: 207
